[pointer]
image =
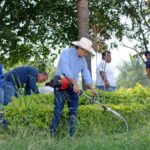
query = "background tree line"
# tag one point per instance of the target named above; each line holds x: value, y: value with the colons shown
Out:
x: 33, y: 31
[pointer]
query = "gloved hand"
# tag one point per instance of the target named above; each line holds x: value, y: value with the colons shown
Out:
x: 94, y: 91
x: 76, y: 89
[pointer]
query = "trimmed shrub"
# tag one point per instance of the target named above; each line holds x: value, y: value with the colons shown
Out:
x: 36, y: 111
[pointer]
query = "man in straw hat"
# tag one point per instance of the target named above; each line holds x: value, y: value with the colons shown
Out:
x: 72, y: 61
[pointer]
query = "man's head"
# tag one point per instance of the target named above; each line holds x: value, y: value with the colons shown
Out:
x: 147, y: 54
x: 84, y: 46
x: 106, y: 56
x: 42, y: 77
x: 81, y: 52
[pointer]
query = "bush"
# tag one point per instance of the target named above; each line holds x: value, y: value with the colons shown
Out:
x: 36, y: 111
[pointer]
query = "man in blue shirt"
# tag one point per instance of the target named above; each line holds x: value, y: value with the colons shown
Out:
x: 1, y: 73
x: 24, y: 77
x: 72, y: 61
x: 147, y: 55
x: 1, y: 90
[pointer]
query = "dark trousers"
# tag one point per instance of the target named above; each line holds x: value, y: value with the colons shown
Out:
x: 110, y: 89
x: 8, y: 92
x: 59, y: 100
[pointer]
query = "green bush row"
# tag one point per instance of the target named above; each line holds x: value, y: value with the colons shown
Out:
x: 36, y: 111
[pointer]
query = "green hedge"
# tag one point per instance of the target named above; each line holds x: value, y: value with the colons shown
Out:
x: 36, y: 111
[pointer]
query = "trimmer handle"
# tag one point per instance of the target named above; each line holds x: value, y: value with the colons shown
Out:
x: 81, y: 92
x: 91, y: 99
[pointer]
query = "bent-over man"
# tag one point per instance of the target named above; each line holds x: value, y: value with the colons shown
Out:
x: 24, y: 77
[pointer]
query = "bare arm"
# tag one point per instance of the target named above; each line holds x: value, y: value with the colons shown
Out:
x: 148, y: 72
x: 104, y: 78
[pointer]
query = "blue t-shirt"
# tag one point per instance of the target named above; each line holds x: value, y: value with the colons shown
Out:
x: 23, y: 77
x: 148, y: 63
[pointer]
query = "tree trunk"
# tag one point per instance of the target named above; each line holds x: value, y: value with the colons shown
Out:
x: 83, y: 27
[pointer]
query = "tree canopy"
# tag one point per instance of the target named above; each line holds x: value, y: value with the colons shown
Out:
x: 33, y: 30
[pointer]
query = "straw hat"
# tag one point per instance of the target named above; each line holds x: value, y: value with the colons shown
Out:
x: 85, y: 44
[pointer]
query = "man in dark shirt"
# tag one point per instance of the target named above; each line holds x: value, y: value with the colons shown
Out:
x: 24, y: 77
x: 1, y: 90
x: 147, y: 55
